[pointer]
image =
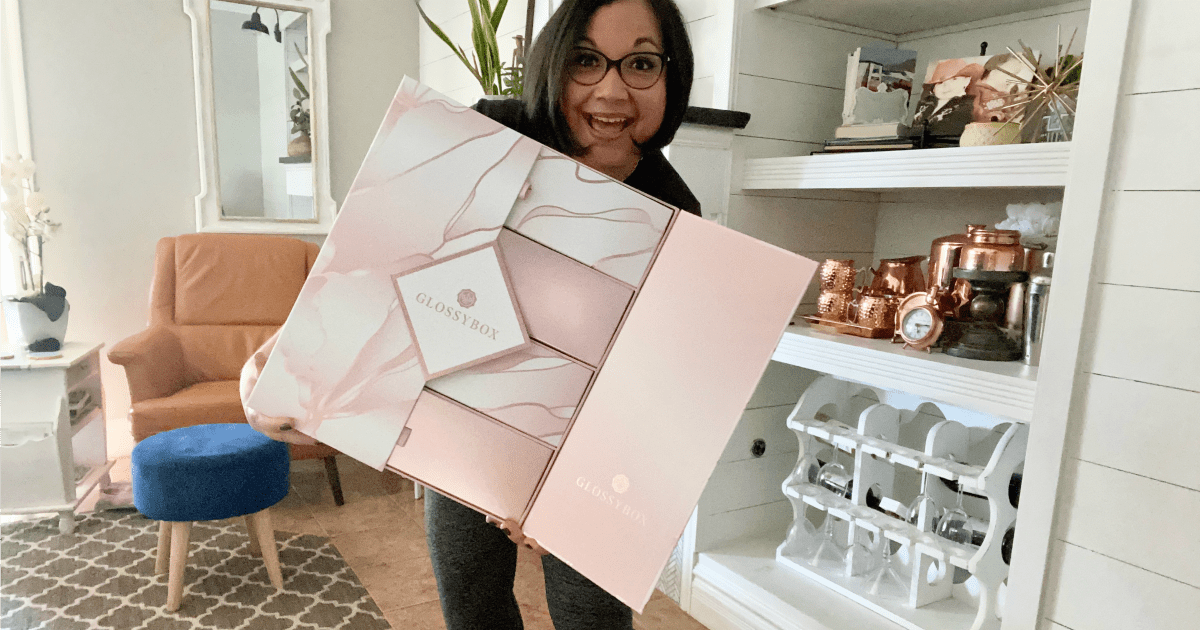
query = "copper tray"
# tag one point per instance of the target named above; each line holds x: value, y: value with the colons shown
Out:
x: 847, y: 328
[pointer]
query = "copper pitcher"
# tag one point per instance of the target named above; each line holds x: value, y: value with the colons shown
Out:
x: 943, y: 256
x: 899, y: 276
x: 993, y: 250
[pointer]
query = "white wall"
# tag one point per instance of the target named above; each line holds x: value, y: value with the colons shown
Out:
x: 1126, y: 553
x: 113, y: 121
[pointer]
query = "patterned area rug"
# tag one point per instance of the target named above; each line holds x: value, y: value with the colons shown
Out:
x: 102, y: 576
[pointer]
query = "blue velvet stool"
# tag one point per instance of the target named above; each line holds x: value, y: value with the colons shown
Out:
x: 209, y: 472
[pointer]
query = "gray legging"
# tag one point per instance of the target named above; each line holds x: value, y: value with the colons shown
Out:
x: 475, y: 565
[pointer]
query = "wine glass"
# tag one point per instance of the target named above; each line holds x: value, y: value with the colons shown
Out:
x: 887, y: 581
x: 801, y: 538
x: 953, y: 523
x: 829, y: 551
x: 860, y: 558
x: 808, y: 467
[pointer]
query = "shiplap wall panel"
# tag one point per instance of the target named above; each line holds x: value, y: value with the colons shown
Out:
x: 1159, y: 253
x: 787, y: 110
x: 1147, y: 335
x: 1166, y: 38
x: 747, y: 482
x: 1127, y: 548
x: 769, y: 520
x: 819, y: 225
x: 781, y: 384
x: 1128, y: 517
x: 703, y: 33
x: 768, y: 424
x: 908, y: 222
x: 1089, y: 591
x: 1158, y: 141
x: 693, y: 10
x: 794, y: 51
x: 1126, y: 425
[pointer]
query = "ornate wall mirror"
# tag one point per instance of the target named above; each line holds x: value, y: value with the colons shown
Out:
x: 262, y: 115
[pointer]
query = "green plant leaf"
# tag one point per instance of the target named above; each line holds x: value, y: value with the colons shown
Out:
x: 298, y: 82
x: 498, y: 13
x: 457, y: 50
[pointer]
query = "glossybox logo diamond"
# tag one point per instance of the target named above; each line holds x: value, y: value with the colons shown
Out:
x: 461, y: 311
x: 611, y: 499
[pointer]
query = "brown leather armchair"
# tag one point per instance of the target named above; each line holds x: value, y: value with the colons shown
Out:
x: 214, y: 300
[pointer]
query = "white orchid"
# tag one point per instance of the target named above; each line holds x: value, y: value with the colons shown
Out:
x: 25, y: 218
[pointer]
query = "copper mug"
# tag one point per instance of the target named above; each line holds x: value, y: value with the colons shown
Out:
x: 838, y: 275
x: 876, y: 309
x: 899, y: 276
x: 834, y: 305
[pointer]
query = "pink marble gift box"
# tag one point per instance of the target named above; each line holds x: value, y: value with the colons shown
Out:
x: 644, y: 331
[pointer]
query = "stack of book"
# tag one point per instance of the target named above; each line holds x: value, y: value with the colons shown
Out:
x: 881, y: 137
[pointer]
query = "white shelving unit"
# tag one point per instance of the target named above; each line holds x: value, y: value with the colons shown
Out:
x: 1003, y: 389
x: 740, y: 580
x: 1008, y: 166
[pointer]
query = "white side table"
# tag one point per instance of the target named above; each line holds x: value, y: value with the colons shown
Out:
x: 53, y: 447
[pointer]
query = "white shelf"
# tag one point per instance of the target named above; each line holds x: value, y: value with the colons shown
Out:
x: 1001, y: 388
x: 94, y: 412
x: 899, y: 17
x: 763, y: 592
x: 1042, y: 165
x: 741, y: 585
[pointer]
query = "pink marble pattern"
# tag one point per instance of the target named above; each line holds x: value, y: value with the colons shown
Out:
x: 590, y: 217
x: 565, y: 304
x: 469, y: 456
x: 534, y: 390
x: 438, y: 179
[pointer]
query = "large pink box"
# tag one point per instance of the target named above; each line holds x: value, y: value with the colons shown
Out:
x: 530, y: 337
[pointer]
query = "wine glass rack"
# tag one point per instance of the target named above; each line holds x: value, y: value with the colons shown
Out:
x: 950, y: 585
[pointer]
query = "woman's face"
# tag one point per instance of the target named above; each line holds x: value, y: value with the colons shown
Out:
x: 607, y: 118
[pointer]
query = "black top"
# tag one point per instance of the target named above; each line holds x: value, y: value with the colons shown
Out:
x: 653, y: 175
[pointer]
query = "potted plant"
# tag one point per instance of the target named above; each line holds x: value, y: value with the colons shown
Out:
x: 301, y: 119
x: 496, y: 78
x: 37, y: 317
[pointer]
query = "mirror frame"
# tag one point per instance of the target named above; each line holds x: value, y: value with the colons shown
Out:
x: 208, y: 201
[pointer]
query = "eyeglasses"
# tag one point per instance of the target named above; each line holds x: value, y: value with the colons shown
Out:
x: 638, y: 70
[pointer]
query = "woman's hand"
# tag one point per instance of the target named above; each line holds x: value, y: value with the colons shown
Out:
x: 281, y: 429
x: 514, y: 533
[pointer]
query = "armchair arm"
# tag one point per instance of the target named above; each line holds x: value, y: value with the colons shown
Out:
x: 153, y: 361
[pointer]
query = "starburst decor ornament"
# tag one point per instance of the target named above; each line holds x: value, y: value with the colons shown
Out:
x: 1050, y: 95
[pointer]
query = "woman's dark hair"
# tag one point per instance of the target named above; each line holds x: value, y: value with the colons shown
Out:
x: 546, y: 77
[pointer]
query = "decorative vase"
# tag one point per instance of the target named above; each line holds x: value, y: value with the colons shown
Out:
x: 981, y: 134
x: 300, y: 146
x: 31, y: 328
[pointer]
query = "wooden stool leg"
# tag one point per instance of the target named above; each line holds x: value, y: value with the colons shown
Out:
x: 164, y: 548
x: 255, y: 547
x: 180, y: 532
x: 266, y: 542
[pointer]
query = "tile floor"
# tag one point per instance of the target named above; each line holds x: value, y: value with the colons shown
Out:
x: 380, y: 531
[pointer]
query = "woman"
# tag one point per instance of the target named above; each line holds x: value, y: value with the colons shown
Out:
x: 607, y: 82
